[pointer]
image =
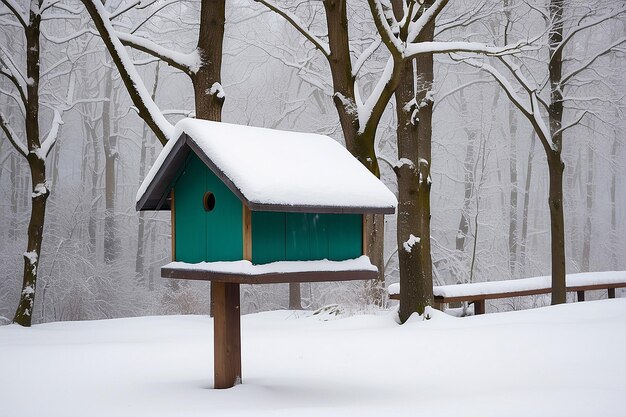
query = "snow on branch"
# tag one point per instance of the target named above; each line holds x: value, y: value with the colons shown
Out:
x: 418, y: 48
x: 367, y: 52
x: 52, y: 136
x: 188, y: 63
x: 17, y: 144
x: 140, y: 96
x: 389, y: 38
x: 298, y: 25
x: 17, y: 11
x: 417, y: 27
x: 504, y: 83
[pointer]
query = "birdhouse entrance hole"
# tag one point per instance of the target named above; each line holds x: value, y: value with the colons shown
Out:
x: 208, y: 201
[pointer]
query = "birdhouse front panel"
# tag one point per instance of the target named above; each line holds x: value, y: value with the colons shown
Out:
x: 207, y: 216
x: 280, y: 236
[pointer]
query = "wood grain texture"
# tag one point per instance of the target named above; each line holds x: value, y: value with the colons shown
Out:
x: 247, y: 232
x: 226, y: 335
x: 272, y: 278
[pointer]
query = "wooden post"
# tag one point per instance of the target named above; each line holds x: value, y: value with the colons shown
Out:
x: 226, y: 335
x: 611, y: 292
x: 479, y: 307
x: 581, y: 295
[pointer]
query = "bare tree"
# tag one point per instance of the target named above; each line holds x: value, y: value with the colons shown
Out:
x: 32, y: 147
x: 546, y: 116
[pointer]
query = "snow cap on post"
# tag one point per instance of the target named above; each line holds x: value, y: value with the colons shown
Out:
x: 269, y: 170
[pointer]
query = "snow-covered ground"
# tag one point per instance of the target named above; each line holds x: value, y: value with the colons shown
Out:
x: 567, y: 360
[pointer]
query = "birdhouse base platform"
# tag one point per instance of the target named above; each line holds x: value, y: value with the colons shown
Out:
x: 244, y: 272
x: 226, y: 278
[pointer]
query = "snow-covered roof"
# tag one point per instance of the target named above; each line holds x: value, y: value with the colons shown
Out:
x: 270, y: 170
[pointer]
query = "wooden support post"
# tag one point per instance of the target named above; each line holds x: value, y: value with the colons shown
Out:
x: 479, y: 307
x: 611, y: 292
x: 581, y: 295
x: 226, y: 335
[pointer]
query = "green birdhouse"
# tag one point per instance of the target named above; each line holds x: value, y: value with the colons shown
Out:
x: 263, y: 195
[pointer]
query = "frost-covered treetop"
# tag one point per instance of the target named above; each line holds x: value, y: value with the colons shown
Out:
x: 270, y: 168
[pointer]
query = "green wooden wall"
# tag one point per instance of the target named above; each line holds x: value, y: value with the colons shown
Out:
x: 305, y: 236
x: 206, y: 236
x: 276, y: 236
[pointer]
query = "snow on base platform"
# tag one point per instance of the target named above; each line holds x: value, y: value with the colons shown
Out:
x: 245, y: 272
x: 361, y: 263
x: 565, y: 360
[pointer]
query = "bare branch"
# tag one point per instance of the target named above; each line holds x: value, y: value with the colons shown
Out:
x: 20, y: 88
x: 588, y: 25
x: 298, y: 25
x: 16, y: 10
x: 140, y: 96
x: 394, y: 45
x: 365, y: 55
x: 8, y: 131
x: 416, y: 28
x: 564, y: 128
x: 187, y: 63
x: 586, y: 65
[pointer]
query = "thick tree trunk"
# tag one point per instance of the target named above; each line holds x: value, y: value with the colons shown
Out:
x: 24, y: 312
x: 207, y: 87
x: 414, y: 145
x: 557, y: 227
x: 555, y: 163
x: 36, y: 162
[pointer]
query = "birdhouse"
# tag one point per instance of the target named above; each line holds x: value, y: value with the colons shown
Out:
x: 263, y: 195
x: 260, y: 206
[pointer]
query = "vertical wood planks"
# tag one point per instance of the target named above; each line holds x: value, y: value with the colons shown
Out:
x: 247, y: 232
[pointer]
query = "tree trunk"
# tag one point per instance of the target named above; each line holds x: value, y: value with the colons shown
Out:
x: 524, y: 236
x: 95, y: 195
x: 139, y: 258
x: 557, y: 228
x: 613, y: 190
x: 555, y: 163
x: 209, y: 95
x: 110, y: 156
x: 513, y: 234
x: 463, y: 230
x: 414, y: 145
x: 295, y: 299
x: 24, y: 312
x: 589, y: 212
